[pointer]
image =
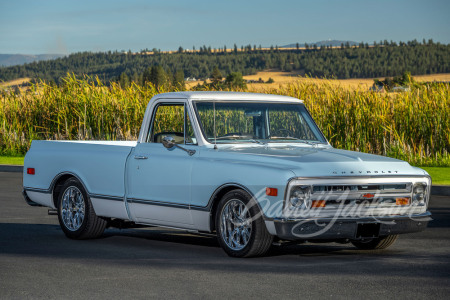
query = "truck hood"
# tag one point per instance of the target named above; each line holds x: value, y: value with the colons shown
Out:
x: 323, y: 161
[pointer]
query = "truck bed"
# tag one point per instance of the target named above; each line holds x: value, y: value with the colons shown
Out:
x: 100, y: 165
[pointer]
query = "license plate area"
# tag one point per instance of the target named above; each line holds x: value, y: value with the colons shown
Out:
x: 368, y: 230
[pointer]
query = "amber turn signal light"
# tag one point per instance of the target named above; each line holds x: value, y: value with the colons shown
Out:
x: 271, y: 191
x: 318, y: 203
x: 402, y: 201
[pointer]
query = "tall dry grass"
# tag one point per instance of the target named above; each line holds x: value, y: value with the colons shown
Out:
x: 414, y: 126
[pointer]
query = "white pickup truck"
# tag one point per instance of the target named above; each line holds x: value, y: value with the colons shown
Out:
x: 250, y: 167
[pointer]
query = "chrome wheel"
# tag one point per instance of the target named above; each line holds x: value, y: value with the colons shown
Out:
x: 72, y: 208
x: 235, y: 224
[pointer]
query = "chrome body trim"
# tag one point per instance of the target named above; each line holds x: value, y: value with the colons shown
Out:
x: 106, y: 197
x: 158, y: 203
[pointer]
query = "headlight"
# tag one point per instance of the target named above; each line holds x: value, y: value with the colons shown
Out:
x: 300, y: 197
x: 419, y: 195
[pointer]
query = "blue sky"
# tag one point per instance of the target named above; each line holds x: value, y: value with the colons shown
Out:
x: 60, y: 26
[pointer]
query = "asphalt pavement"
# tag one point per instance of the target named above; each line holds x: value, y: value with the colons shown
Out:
x: 38, y: 262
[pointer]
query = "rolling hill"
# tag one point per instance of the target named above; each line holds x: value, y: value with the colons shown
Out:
x: 7, y: 60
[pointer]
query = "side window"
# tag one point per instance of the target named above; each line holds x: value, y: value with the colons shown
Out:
x: 171, y: 120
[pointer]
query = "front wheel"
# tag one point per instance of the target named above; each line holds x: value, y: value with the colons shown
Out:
x: 240, y: 227
x: 376, y: 243
x: 76, y: 214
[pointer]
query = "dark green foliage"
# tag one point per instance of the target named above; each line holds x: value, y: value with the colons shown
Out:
x: 124, y: 80
x: 382, y: 59
x: 178, y: 80
x: 388, y: 83
x: 158, y: 76
x: 235, y: 80
x: 216, y: 77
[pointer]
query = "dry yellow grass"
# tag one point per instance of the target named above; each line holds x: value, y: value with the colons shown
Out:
x: 283, y: 78
x: 191, y: 84
x: 433, y: 77
x: 15, y: 82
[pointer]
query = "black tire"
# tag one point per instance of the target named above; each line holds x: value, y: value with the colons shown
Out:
x: 91, y: 226
x: 376, y: 244
x: 260, y: 239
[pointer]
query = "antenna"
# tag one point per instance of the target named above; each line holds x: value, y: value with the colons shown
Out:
x: 215, y: 140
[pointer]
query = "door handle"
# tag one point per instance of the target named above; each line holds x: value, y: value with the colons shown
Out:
x: 140, y: 157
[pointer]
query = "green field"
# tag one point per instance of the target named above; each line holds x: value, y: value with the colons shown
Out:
x: 11, y: 160
x: 440, y: 175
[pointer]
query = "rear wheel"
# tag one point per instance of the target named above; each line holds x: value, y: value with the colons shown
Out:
x: 376, y: 244
x: 76, y: 214
x: 240, y: 227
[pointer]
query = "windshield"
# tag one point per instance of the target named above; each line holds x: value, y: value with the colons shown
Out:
x: 231, y: 122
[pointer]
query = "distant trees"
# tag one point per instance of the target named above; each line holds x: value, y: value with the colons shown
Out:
x: 216, y: 77
x: 124, y: 80
x: 385, y: 59
x: 235, y: 80
x: 164, y: 79
x: 405, y: 80
x: 178, y: 80
x: 157, y: 76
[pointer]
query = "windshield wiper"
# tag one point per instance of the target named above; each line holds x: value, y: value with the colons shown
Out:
x: 309, y: 142
x: 283, y: 138
x: 296, y: 140
x: 230, y: 137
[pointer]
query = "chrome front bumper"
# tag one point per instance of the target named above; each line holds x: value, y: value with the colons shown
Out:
x: 348, y: 228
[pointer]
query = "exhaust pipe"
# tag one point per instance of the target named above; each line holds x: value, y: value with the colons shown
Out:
x: 52, y: 212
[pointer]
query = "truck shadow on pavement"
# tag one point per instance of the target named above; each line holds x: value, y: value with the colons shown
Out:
x: 49, y: 240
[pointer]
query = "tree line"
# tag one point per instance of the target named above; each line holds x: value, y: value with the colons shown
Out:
x: 362, y: 61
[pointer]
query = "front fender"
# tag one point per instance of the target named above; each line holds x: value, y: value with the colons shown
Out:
x: 208, y: 175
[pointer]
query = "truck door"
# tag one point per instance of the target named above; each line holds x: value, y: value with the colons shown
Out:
x: 159, y: 178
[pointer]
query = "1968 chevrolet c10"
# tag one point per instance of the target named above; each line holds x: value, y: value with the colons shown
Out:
x: 250, y: 167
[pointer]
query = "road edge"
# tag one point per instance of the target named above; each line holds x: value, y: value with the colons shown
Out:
x: 11, y: 168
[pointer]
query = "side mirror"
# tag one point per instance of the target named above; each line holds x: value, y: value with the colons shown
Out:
x: 168, y: 142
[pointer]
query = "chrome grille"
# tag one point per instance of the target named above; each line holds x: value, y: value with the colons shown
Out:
x: 374, y: 188
x: 373, y: 195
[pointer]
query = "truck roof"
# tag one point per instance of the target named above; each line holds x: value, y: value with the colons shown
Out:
x: 231, y: 96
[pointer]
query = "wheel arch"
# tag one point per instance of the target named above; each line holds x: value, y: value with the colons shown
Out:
x: 218, y: 194
x: 58, y: 182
